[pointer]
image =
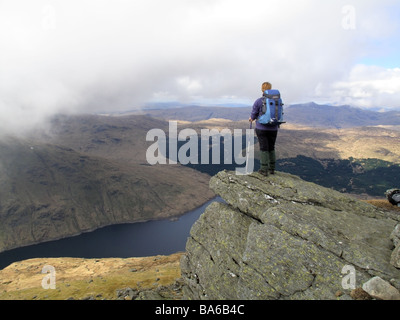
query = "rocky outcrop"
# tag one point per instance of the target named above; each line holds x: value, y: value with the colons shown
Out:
x: 280, y: 237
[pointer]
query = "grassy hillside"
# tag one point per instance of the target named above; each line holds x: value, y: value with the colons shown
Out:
x: 97, y: 279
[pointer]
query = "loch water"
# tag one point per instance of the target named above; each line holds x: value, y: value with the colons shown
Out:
x: 140, y: 239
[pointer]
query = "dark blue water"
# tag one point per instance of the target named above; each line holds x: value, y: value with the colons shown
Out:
x: 117, y: 241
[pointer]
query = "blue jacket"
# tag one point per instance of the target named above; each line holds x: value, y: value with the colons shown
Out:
x: 256, y: 112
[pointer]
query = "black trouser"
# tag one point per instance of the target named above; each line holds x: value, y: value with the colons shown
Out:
x: 266, y: 139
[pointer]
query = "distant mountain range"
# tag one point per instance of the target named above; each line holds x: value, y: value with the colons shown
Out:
x: 315, y: 115
x: 309, y: 114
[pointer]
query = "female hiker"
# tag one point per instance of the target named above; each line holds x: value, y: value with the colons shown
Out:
x: 266, y: 135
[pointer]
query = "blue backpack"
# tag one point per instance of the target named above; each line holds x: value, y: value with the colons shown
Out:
x: 272, y: 110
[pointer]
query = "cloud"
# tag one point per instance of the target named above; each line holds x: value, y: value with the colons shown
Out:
x: 94, y: 56
x: 369, y: 87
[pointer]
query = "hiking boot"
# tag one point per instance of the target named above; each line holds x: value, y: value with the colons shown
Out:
x: 263, y: 172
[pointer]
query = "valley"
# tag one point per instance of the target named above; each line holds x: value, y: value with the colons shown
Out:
x: 86, y: 172
x: 82, y: 172
x: 363, y: 161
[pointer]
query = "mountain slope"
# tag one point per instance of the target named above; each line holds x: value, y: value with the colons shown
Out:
x: 117, y: 138
x: 50, y: 191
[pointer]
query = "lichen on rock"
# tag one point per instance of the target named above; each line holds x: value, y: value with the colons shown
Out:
x: 280, y: 237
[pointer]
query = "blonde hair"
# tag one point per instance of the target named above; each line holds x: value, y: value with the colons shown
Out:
x: 266, y: 86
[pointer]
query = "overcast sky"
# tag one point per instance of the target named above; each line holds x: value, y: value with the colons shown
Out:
x: 97, y: 55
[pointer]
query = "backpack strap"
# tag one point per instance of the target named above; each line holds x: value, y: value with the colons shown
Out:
x: 264, y: 105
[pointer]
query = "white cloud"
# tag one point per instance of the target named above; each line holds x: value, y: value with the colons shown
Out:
x: 100, y: 55
x: 370, y: 87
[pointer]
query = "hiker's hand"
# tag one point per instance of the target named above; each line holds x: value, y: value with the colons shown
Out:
x: 250, y: 119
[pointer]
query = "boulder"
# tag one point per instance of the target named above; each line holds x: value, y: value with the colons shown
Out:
x: 280, y: 237
x: 381, y: 289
